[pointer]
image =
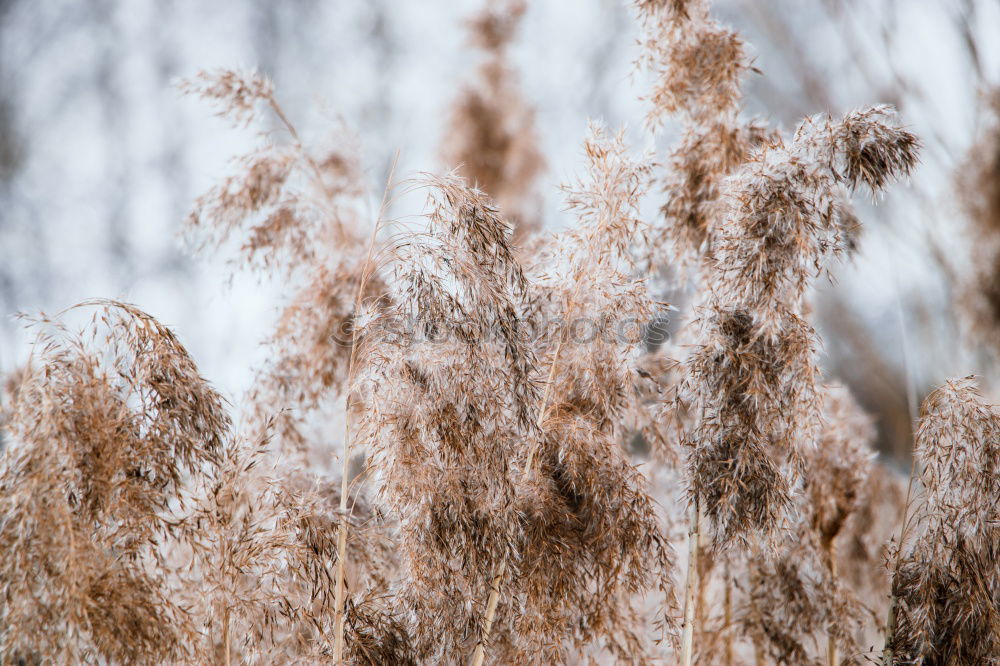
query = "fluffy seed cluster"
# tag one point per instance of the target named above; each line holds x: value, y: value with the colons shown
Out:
x: 946, y: 581
x: 144, y: 530
x: 796, y: 597
x: 297, y: 217
x: 450, y: 413
x: 594, y: 540
x: 103, y: 436
x: 754, y: 377
x: 698, y: 65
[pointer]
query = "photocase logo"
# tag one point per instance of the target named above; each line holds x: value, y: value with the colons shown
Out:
x: 607, y: 329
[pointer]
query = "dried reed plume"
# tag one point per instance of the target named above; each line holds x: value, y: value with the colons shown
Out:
x: 494, y: 392
x: 754, y: 376
x: 697, y: 65
x: 142, y: 530
x: 449, y: 413
x: 303, y: 216
x: 762, y: 216
x: 797, y: 599
x: 594, y: 541
x: 299, y: 218
x: 265, y: 543
x: 945, y: 582
x: 106, y: 428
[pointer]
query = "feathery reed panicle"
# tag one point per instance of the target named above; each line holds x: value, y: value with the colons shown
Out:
x: 593, y: 540
x: 298, y: 216
x: 698, y: 65
x: 144, y: 531
x: 106, y: 428
x: 491, y: 131
x: 697, y: 62
x: 946, y: 584
x: 299, y: 213
x: 264, y: 546
x: 449, y: 393
x: 761, y: 217
x: 754, y: 375
x: 498, y: 514
x: 798, y: 602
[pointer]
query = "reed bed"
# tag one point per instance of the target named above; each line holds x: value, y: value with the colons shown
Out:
x: 464, y: 449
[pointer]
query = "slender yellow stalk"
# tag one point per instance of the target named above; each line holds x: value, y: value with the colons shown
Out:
x: 691, y: 585
x: 727, y: 605
x: 704, y: 573
x: 225, y: 635
x: 339, y: 599
x: 366, y: 272
x: 479, y: 655
x: 832, y: 658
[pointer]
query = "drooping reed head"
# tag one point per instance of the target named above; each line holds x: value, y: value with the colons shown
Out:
x: 796, y: 596
x: 698, y: 63
x: 450, y: 397
x: 947, y: 582
x: 698, y: 66
x: 107, y: 426
x: 258, y: 558
x: 594, y: 542
x: 296, y: 213
x: 754, y: 375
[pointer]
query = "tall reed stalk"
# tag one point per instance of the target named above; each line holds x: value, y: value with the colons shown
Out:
x: 831, y: 641
x: 691, y: 583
